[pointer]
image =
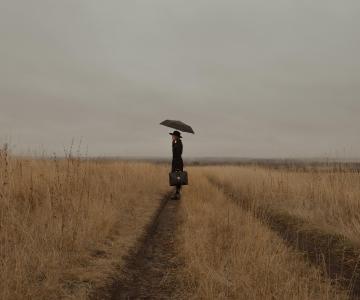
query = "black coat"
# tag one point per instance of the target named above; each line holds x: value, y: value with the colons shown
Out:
x: 177, y: 162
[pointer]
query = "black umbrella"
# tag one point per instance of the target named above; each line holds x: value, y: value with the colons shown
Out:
x: 178, y: 125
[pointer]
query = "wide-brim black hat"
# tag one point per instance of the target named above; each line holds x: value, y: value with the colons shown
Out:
x: 176, y: 133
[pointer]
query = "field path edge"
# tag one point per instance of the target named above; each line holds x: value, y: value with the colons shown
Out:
x: 151, y: 269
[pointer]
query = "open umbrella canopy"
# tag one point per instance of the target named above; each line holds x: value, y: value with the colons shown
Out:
x: 178, y: 125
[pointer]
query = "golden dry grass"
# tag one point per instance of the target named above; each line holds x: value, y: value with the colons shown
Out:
x: 65, y: 224
x: 229, y: 254
x: 329, y: 200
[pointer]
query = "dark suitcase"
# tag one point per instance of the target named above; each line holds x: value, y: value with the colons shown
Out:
x: 178, y: 178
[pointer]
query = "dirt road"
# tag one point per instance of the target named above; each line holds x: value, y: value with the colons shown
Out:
x: 152, y: 272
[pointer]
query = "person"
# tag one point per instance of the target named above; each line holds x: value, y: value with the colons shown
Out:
x: 177, y: 162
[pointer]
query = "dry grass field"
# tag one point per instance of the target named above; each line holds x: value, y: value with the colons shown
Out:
x: 327, y: 199
x: 231, y: 255
x: 65, y: 224
x: 69, y: 227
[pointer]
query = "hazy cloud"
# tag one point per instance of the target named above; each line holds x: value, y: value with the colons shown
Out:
x: 254, y: 78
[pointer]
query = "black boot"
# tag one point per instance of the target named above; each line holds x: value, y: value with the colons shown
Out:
x: 176, y: 196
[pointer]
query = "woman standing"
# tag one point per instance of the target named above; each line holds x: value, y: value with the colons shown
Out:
x: 177, y: 162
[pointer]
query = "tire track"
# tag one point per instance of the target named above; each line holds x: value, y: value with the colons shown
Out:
x: 335, y: 254
x: 151, y: 272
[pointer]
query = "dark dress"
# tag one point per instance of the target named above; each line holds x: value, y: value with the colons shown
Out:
x: 177, y: 162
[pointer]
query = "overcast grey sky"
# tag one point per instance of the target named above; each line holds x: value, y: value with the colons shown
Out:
x: 277, y: 78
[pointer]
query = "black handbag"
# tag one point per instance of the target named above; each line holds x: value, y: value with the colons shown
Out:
x: 178, y: 178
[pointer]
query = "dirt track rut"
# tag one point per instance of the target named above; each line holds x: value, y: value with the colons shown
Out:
x: 152, y: 272
x: 337, y: 256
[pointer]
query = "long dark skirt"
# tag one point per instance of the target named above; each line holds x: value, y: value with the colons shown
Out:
x: 177, y: 164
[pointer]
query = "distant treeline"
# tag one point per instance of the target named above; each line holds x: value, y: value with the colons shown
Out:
x: 289, y: 164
